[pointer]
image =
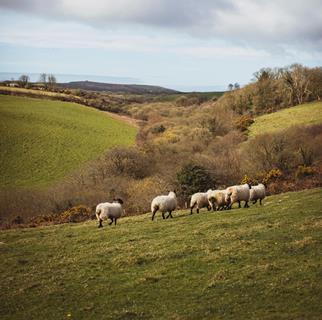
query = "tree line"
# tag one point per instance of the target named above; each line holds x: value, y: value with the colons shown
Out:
x: 47, y: 80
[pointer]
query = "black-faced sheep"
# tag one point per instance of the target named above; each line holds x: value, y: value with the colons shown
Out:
x: 108, y: 210
x: 164, y: 204
x: 239, y: 193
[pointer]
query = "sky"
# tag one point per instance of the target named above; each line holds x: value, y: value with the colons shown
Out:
x: 182, y: 44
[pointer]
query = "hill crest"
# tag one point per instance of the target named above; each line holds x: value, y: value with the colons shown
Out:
x: 113, y: 87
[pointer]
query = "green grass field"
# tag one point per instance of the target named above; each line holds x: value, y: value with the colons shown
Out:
x: 42, y: 141
x: 305, y: 114
x: 257, y: 263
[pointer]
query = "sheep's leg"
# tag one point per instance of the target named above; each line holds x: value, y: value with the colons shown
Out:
x: 208, y: 207
x: 197, y: 209
x: 191, y: 212
x: 239, y: 205
x: 246, y: 204
x: 112, y: 220
x: 153, y: 213
x: 260, y: 201
x: 100, y: 223
x: 254, y: 201
x: 115, y: 221
x: 163, y: 216
x: 170, y: 215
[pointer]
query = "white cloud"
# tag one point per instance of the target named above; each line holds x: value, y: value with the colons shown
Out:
x: 286, y: 21
x: 38, y: 34
x: 241, y: 27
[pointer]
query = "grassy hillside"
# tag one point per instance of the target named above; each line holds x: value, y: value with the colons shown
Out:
x: 39, y: 93
x: 305, y: 114
x: 42, y: 141
x: 258, y: 263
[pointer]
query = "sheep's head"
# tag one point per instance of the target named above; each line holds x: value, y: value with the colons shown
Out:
x: 172, y: 193
x: 119, y: 200
x: 228, y: 197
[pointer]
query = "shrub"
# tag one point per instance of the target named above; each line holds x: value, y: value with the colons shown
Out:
x: 128, y: 162
x: 242, y: 123
x: 17, y: 220
x: 304, y: 171
x: 158, y: 129
x: 249, y: 180
x: 76, y: 214
x: 193, y: 178
x: 272, y: 176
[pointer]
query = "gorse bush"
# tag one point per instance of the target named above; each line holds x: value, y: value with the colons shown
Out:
x: 243, y: 122
x: 76, y: 214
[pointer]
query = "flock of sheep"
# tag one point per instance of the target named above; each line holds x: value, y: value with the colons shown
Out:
x: 212, y: 199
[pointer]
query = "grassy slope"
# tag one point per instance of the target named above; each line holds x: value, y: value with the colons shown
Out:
x: 258, y: 263
x: 305, y: 114
x: 42, y: 93
x: 42, y: 141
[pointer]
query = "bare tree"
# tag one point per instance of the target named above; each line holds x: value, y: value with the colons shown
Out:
x: 236, y: 86
x: 24, y: 80
x: 51, y: 80
x: 297, y: 80
x: 230, y: 87
x: 43, y: 78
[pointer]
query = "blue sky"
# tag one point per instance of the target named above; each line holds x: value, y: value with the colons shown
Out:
x: 187, y: 45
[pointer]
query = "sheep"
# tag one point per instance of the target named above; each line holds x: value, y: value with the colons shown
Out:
x: 219, y: 199
x: 108, y: 210
x: 164, y: 204
x: 257, y: 192
x: 201, y: 200
x: 237, y: 194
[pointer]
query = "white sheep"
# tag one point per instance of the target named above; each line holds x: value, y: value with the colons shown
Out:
x: 201, y: 200
x: 108, y: 210
x: 219, y: 199
x: 257, y: 193
x: 164, y: 204
x: 239, y: 193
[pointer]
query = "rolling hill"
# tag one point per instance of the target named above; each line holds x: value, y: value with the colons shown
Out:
x: 305, y: 114
x: 42, y: 141
x: 257, y: 263
x: 121, y: 88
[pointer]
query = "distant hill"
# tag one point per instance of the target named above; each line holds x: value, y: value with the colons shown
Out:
x: 112, y: 87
